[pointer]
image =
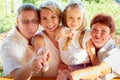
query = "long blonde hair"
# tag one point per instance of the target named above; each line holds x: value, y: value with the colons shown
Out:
x: 81, y: 28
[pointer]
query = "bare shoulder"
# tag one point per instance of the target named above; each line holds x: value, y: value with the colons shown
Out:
x: 38, y: 41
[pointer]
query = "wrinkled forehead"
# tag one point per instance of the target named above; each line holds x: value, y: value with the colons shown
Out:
x: 28, y: 15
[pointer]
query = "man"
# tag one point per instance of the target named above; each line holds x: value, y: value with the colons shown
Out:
x: 16, y: 50
x: 102, y: 30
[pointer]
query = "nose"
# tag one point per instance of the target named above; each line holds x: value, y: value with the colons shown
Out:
x: 48, y: 20
x: 98, y: 33
x: 74, y: 22
x: 32, y: 27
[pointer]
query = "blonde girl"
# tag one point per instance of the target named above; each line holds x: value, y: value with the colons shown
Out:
x: 75, y: 36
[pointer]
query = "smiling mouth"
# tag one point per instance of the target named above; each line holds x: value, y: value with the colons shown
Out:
x: 50, y: 27
x: 97, y: 39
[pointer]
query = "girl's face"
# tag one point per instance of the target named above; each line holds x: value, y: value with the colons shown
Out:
x: 100, y: 34
x: 49, y: 20
x: 74, y: 17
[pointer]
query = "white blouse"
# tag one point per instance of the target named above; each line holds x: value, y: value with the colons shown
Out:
x: 74, y: 54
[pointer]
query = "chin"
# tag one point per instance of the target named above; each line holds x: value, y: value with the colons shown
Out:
x: 98, y: 45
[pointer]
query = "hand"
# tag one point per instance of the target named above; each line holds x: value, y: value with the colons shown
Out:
x: 45, y: 58
x: 73, y: 76
x: 67, y: 32
x: 92, y: 52
x: 36, y: 64
x: 62, y: 75
x: 62, y: 66
x: 45, y: 66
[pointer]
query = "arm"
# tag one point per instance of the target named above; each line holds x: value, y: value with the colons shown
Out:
x: 38, y: 42
x: 64, y: 32
x: 13, y: 57
x: 15, y: 69
x: 91, y: 72
x: 62, y: 66
x: 62, y: 72
x: 92, y: 53
x: 25, y: 72
x: 39, y: 45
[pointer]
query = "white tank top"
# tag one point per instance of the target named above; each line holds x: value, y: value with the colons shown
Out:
x: 54, y: 57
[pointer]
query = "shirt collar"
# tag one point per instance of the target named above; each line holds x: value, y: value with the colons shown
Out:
x: 20, y: 37
x: 109, y: 45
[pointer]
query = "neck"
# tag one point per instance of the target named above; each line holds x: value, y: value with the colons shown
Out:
x: 52, y: 38
x: 50, y: 35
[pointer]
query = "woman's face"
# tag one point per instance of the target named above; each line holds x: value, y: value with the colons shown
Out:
x: 100, y: 34
x: 74, y: 17
x: 49, y: 20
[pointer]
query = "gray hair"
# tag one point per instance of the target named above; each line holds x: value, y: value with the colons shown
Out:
x: 27, y: 7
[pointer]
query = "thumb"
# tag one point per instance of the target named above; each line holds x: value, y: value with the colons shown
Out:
x: 41, y: 51
x: 48, y: 55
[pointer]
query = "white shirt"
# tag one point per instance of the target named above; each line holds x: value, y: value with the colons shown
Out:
x: 74, y: 54
x: 110, y: 53
x: 15, y: 52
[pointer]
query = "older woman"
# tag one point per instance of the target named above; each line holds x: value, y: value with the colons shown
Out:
x: 102, y: 30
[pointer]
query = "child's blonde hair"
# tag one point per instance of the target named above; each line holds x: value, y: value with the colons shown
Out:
x: 52, y: 5
x: 81, y: 28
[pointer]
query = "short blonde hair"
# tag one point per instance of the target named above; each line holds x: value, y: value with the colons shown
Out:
x: 51, y: 5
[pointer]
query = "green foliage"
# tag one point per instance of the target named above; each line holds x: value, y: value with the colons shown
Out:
x: 108, y: 7
x: 36, y: 2
x: 6, y: 23
x: 96, y: 1
x: 29, y: 1
x: 93, y: 7
x: 1, y: 73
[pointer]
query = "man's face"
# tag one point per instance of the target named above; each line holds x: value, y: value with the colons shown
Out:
x: 28, y: 23
x: 100, y: 34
